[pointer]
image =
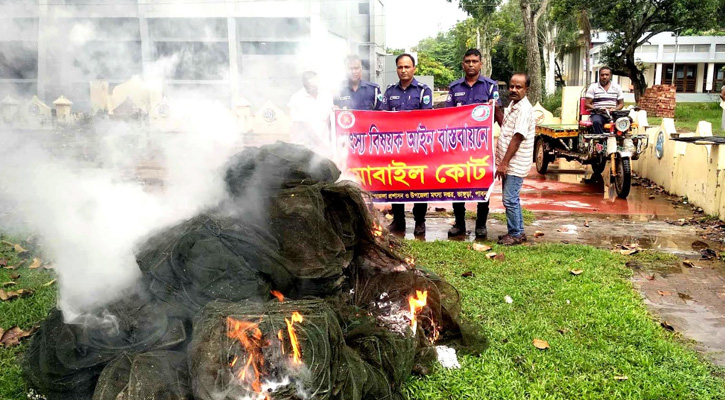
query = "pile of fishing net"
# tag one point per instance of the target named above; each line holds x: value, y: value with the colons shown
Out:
x: 287, y: 290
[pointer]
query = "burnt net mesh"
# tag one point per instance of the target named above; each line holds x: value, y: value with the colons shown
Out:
x: 294, y: 293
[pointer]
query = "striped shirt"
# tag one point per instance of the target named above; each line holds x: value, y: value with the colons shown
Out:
x: 602, y: 98
x: 518, y: 118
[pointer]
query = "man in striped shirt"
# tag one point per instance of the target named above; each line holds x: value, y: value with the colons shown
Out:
x: 601, y: 95
x: 514, y: 152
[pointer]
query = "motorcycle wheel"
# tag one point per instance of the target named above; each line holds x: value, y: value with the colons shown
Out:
x: 623, y: 179
x: 540, y: 157
x: 599, y: 165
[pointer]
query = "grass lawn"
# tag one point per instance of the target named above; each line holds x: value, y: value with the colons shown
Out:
x: 687, y: 115
x: 595, y: 323
x: 24, y: 312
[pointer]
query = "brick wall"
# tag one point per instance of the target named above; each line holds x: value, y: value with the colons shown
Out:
x: 659, y: 101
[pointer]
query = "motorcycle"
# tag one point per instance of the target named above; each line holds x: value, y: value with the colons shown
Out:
x: 618, y: 145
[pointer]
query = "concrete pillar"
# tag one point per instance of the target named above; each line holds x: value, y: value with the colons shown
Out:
x: 710, y: 76
x: 233, y: 59
x: 700, y: 77
x: 146, y: 54
x: 42, y: 50
x: 658, y: 74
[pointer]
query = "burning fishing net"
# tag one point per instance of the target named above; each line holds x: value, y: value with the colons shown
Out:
x: 292, y: 294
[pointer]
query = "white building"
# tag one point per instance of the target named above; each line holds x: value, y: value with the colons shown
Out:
x: 222, y: 49
x: 698, y: 64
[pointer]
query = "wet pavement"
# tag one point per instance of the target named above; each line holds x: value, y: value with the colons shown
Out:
x: 570, y: 207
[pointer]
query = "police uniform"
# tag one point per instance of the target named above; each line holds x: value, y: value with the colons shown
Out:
x: 417, y: 96
x: 367, y: 97
x: 460, y: 93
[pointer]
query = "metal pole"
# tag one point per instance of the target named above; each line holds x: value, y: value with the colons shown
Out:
x: 677, y: 48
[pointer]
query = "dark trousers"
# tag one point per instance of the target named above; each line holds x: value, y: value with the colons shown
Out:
x: 598, y: 122
x: 459, y: 210
x: 419, y: 211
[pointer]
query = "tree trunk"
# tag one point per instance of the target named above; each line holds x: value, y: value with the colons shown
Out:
x: 635, y: 75
x: 533, y: 58
x: 485, y: 50
x: 585, y: 26
x: 550, y: 60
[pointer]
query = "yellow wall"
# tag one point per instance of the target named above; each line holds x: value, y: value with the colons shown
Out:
x: 686, y: 169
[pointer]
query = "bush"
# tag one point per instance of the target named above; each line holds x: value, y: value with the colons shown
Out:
x: 552, y: 102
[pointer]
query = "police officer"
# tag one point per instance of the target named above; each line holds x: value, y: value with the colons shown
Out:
x: 357, y: 94
x: 472, y: 89
x: 407, y: 94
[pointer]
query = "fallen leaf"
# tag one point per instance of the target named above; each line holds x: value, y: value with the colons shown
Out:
x: 699, y: 245
x: 467, y: 274
x: 667, y: 326
x: 586, y: 224
x: 652, y: 197
x: 633, y: 264
x: 541, y: 344
x: 490, y: 255
x: 620, y: 378
x: 538, y: 234
x: 49, y: 266
x: 12, y: 336
x: 563, y: 331
x: 10, y: 267
x: 36, y: 263
x: 650, y: 277
x: 3, y: 262
x: 14, y: 276
x: 577, y: 271
x: 440, y: 209
x: 664, y: 293
x: 481, y: 247
x: 5, y: 296
x: 688, y: 263
x: 49, y: 283
x: 500, y: 257
x: 628, y: 252
x: 8, y: 284
x: 388, y: 216
x: 508, y: 299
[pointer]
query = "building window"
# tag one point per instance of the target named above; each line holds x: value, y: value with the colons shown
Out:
x: 196, y: 60
x: 189, y: 29
x: 108, y: 60
x: 720, y: 48
x: 669, y: 48
x: 702, y: 48
x: 272, y: 29
x: 648, y: 49
x: 363, y: 7
x: 269, y: 48
x: 18, y: 60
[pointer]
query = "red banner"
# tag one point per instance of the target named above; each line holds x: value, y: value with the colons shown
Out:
x: 423, y: 155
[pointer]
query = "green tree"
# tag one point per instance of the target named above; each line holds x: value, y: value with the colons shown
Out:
x: 630, y: 23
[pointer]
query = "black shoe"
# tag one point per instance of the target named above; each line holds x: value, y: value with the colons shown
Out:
x: 397, y: 226
x: 481, y: 233
x: 419, y: 229
x: 457, y: 230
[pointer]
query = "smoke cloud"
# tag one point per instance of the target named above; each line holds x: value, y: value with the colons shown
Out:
x: 79, y: 191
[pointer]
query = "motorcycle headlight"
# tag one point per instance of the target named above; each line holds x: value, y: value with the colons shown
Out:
x: 623, y: 124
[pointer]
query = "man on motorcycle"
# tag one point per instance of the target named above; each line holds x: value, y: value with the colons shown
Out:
x: 603, y: 95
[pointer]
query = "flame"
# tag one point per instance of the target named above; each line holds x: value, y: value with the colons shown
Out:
x: 296, y: 355
x: 280, y: 336
x: 416, y: 304
x: 377, y: 229
x: 278, y: 295
x: 249, y: 336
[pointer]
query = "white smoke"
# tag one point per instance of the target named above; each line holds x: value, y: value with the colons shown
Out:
x: 89, y: 215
